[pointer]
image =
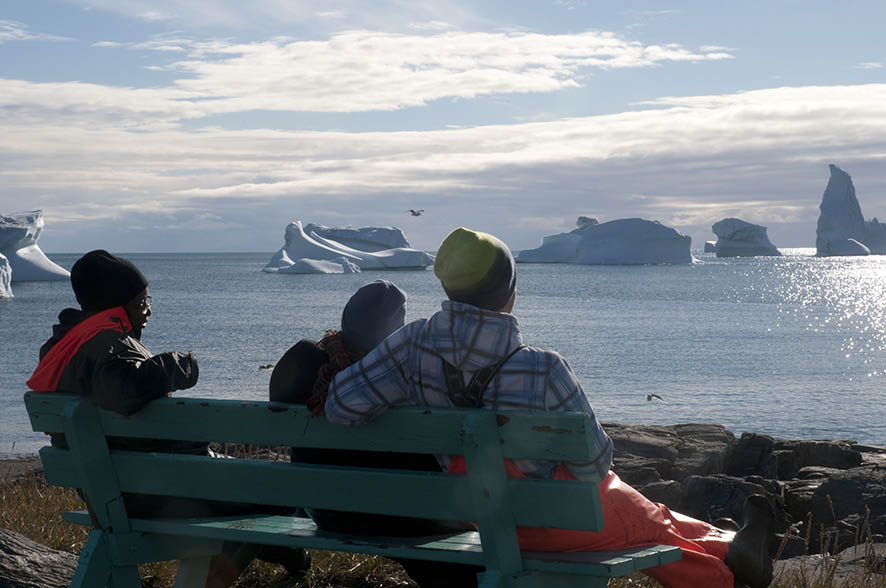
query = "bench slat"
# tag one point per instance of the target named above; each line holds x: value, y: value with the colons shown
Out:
x: 553, y: 436
x: 462, y: 548
x: 416, y: 494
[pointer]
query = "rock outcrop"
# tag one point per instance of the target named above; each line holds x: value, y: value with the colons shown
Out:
x: 627, y: 241
x: 19, y: 233
x: 842, y: 229
x: 827, y: 494
x: 312, y: 248
x: 737, y: 238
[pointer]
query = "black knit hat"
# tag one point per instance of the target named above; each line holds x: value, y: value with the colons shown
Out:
x: 101, y: 281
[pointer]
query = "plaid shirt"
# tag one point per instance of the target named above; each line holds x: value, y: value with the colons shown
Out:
x: 406, y: 370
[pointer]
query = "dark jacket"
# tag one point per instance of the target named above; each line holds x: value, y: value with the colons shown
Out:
x: 118, y: 373
x: 293, y: 381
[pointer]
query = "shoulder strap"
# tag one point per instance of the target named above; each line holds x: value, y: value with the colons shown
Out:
x: 472, y: 395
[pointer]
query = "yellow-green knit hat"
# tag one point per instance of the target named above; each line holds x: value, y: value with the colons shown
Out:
x: 476, y: 268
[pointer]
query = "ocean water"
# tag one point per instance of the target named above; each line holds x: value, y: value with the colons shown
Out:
x: 793, y: 346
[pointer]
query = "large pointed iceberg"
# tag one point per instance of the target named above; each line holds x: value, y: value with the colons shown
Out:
x: 627, y: 241
x: 18, y: 242
x: 737, y: 238
x: 5, y: 278
x: 842, y: 229
x: 312, y: 246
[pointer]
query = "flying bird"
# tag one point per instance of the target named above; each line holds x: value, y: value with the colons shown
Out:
x: 416, y: 212
x: 652, y: 395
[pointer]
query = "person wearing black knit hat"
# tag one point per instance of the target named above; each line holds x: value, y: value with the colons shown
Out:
x: 95, y: 351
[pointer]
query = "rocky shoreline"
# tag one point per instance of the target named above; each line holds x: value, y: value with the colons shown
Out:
x: 827, y: 495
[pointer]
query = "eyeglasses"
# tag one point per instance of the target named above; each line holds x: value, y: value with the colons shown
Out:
x: 145, y: 304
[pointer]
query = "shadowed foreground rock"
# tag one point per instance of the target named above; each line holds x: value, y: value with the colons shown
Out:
x: 26, y: 564
x: 828, y: 495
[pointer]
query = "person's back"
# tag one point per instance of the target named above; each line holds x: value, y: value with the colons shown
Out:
x: 475, y: 338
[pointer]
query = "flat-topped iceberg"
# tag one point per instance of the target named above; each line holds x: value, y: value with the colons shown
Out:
x: 5, y: 277
x: 19, y: 233
x: 737, y: 238
x: 342, y: 265
x: 842, y: 229
x: 627, y: 241
x: 314, y: 247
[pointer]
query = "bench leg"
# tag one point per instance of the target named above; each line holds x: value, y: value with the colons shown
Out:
x: 125, y: 577
x: 94, y: 565
x: 192, y: 572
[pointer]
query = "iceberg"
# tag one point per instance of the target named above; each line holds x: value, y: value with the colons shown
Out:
x: 361, y: 238
x: 841, y: 226
x: 342, y: 265
x: 18, y: 243
x: 561, y: 248
x: 5, y: 277
x: 737, y: 238
x: 627, y: 241
x: 710, y: 247
x: 314, y: 247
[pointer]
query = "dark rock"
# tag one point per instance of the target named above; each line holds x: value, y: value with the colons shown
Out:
x: 26, y: 564
x: 752, y: 455
x: 830, y: 454
x: 711, y: 497
x: 852, y: 496
x: 669, y: 493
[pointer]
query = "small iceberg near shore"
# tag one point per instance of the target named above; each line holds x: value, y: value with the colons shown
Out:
x: 337, y: 250
x: 19, y: 233
x: 738, y: 238
x: 5, y: 277
x: 627, y: 241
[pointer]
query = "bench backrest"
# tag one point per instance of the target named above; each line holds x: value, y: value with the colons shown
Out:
x: 485, y: 495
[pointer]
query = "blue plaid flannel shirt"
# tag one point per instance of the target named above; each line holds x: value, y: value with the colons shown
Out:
x: 469, y: 338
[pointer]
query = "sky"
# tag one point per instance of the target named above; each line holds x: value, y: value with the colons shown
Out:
x: 161, y: 125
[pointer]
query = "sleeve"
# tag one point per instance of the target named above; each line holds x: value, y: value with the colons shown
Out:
x: 364, y: 390
x: 564, y: 393
x: 125, y: 381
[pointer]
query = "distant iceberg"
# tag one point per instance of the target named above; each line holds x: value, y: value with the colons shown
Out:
x: 710, y: 247
x: 313, y: 246
x: 737, y: 238
x: 19, y: 233
x: 627, y: 241
x: 5, y: 277
x: 842, y: 229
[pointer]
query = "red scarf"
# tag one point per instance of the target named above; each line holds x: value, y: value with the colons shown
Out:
x: 339, y: 359
x: 50, y: 368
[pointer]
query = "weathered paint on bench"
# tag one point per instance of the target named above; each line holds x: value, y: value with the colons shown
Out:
x: 485, y: 495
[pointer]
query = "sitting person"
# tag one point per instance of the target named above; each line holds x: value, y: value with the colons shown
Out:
x: 96, y: 352
x: 302, y: 376
x: 434, y: 362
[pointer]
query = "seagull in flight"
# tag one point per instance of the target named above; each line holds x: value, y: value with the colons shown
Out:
x: 416, y: 212
x: 652, y: 395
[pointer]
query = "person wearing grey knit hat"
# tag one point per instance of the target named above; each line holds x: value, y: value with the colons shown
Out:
x: 374, y: 311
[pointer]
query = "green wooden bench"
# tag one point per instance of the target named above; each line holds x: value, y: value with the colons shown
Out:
x: 485, y: 495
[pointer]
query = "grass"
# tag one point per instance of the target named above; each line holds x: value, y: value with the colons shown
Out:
x: 33, y: 508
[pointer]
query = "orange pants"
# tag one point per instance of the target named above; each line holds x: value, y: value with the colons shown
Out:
x: 632, y: 520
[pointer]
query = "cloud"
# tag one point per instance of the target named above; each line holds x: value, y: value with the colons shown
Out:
x: 759, y: 155
x: 869, y: 65
x: 11, y: 30
x: 362, y: 71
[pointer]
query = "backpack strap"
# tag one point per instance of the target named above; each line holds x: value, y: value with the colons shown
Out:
x: 472, y: 395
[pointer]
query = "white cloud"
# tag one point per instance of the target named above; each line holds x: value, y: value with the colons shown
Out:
x: 359, y: 71
x: 11, y: 30
x: 760, y: 155
x: 869, y: 65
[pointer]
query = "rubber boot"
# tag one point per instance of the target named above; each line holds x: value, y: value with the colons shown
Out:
x: 748, y: 555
